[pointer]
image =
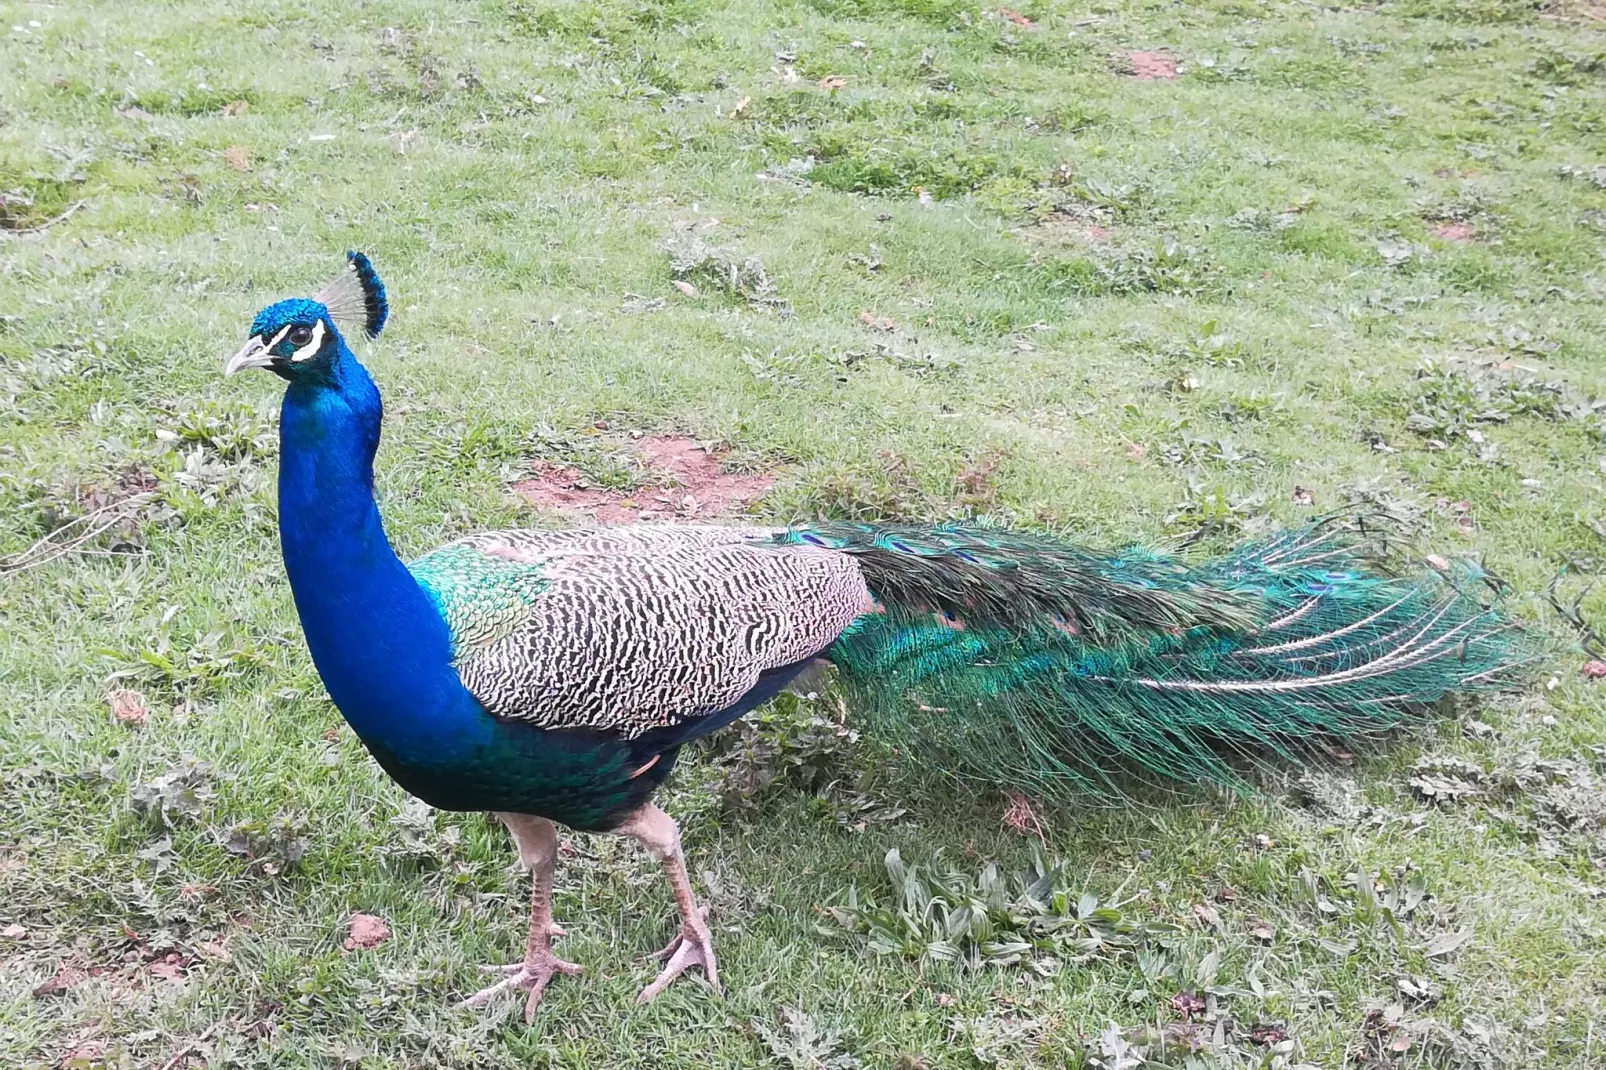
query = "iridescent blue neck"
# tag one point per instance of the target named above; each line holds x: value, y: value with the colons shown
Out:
x: 379, y: 643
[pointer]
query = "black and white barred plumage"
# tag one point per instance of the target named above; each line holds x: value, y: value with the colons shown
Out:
x: 636, y: 628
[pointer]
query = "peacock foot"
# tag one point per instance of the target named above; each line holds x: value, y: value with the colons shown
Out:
x: 531, y: 975
x: 692, y: 946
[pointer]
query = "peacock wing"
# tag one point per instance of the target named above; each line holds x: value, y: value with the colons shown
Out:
x: 634, y: 628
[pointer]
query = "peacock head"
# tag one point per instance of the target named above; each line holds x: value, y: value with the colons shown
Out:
x: 297, y: 339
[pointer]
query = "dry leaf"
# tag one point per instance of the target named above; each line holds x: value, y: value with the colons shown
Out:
x: 880, y: 323
x: 741, y: 106
x: 128, y: 707
x: 236, y: 157
x: 1262, y: 930
x: 170, y: 968
x: 1437, y: 563
x: 67, y: 975
x: 214, y: 950
x: 1595, y: 670
x: 236, y: 107
x: 1268, y: 1033
x: 1017, y: 18
x: 685, y: 287
x: 13, y: 932
x: 1187, y: 1004
x: 1304, y: 496
x: 1447, y: 943
x: 832, y: 81
x: 1207, y: 916
x: 367, y: 931
x: 136, y: 113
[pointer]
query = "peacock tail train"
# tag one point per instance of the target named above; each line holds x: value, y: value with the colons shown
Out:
x: 1023, y: 662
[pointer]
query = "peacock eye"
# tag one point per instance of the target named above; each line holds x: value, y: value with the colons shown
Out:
x: 300, y: 336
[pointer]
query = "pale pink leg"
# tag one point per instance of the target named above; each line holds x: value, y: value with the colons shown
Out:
x: 693, y: 946
x: 537, y: 841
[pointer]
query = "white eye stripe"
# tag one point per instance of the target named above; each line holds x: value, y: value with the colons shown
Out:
x: 275, y: 340
x: 310, y: 350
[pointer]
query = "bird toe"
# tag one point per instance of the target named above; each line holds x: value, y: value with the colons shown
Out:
x: 693, y: 947
x: 532, y: 975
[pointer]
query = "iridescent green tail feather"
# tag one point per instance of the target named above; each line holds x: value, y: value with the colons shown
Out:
x: 1024, y: 662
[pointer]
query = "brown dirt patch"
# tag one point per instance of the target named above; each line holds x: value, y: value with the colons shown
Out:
x: 72, y: 972
x: 686, y: 483
x: 1152, y: 66
x: 368, y: 931
x: 566, y: 490
x: 1456, y: 232
x: 1069, y: 228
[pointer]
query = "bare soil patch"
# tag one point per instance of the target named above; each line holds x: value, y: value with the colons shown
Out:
x: 686, y: 483
x: 1456, y: 232
x: 1152, y: 66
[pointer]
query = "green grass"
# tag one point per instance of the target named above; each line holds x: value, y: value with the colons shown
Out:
x: 1272, y: 310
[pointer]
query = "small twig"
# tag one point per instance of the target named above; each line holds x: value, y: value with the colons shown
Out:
x: 73, y: 523
x: 40, y: 228
x: 1591, y: 640
x: 22, y: 563
x: 185, y: 1052
x: 1021, y: 815
x: 47, y: 549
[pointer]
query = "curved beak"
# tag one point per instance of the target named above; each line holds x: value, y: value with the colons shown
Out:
x: 254, y: 354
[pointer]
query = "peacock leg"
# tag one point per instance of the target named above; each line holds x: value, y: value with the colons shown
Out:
x: 537, y: 841
x: 693, y: 946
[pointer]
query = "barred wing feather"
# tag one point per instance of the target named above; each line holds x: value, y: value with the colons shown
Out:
x: 632, y: 629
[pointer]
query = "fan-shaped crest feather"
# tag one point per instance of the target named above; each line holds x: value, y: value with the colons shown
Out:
x: 356, y: 296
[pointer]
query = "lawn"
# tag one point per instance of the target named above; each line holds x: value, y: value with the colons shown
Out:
x: 1171, y: 273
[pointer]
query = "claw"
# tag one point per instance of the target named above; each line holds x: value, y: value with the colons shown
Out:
x: 532, y: 975
x: 693, y: 946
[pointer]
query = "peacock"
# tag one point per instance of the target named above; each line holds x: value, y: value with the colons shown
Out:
x: 552, y: 677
